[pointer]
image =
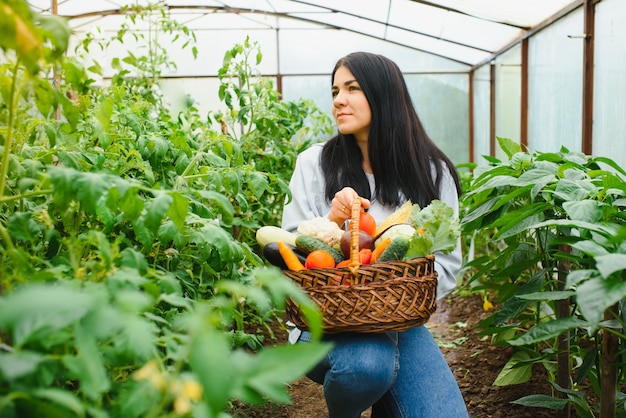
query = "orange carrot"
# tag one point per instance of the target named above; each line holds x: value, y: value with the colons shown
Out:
x: 380, y: 248
x: 289, y: 257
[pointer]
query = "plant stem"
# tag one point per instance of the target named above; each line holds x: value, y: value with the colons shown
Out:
x: 608, y: 374
x: 4, y: 199
x: 563, y: 340
x: 8, y: 143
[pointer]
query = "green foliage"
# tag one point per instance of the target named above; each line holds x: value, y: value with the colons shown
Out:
x: 548, y: 227
x: 437, y: 229
x: 129, y: 277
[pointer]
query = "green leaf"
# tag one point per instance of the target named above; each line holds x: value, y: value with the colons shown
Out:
x: 597, y: 295
x: 107, y: 216
x: 602, y: 229
x: 281, y: 288
x: 577, y: 276
x: 611, y: 163
x: 132, y: 205
x: 18, y: 33
x: 573, y: 190
x: 536, y: 176
x: 156, y: 210
x: 22, y: 227
x: 168, y: 232
x: 62, y: 179
x: 556, y: 295
x: 268, y: 372
x: 210, y: 360
x: 610, y: 263
x: 56, y: 30
x: 178, y: 210
x: 590, y: 247
x: 509, y: 146
x: 541, y: 401
x: 517, y: 370
x: 493, y: 183
x: 258, y: 183
x: 17, y: 364
x: 90, y: 187
x: 549, y: 330
x: 137, y: 337
x: 42, y: 308
x: 88, y: 365
x: 519, y: 221
x: 61, y: 397
x: 135, y: 260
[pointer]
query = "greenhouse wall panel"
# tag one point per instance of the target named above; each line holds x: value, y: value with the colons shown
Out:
x: 482, y: 109
x: 609, y: 101
x: 441, y: 103
x: 508, y: 96
x: 555, y: 85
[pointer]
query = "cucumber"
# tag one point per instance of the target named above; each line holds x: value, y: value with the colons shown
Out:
x: 272, y: 255
x: 396, y: 250
x: 308, y: 243
x: 269, y: 233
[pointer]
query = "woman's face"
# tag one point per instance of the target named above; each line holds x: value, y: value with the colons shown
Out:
x: 351, y: 109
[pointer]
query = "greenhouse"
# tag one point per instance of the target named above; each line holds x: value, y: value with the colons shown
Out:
x: 153, y: 177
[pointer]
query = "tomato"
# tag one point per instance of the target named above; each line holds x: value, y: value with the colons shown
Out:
x: 367, y: 223
x: 365, y: 256
x: 319, y: 259
x: 344, y: 263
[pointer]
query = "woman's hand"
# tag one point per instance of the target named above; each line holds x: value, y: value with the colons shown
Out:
x: 342, y: 205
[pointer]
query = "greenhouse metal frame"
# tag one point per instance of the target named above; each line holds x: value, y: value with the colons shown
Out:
x: 544, y: 73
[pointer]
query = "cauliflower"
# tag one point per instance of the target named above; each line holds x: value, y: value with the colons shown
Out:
x: 323, y: 229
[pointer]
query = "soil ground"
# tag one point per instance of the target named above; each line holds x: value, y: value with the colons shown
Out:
x: 473, y: 359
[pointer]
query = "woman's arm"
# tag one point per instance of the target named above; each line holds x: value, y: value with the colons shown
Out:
x: 307, y: 190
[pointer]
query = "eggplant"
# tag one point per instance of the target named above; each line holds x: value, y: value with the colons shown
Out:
x: 272, y: 255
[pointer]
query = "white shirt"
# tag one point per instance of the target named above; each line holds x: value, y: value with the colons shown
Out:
x: 308, y: 202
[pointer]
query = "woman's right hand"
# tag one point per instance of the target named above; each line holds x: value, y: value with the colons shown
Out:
x: 341, y: 205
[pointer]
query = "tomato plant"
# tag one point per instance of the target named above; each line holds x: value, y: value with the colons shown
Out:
x: 124, y: 257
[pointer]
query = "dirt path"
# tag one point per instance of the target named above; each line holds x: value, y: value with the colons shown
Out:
x: 473, y: 359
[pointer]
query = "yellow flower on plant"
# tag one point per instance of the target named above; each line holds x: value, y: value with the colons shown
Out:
x: 193, y: 390
x: 487, y: 306
x: 150, y: 372
x: 190, y: 391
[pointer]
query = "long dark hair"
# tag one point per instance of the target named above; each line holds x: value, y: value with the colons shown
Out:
x: 401, y: 153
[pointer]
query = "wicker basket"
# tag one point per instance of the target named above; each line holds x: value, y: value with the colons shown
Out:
x: 372, y: 298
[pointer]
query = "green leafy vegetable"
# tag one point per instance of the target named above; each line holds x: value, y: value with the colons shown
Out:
x: 437, y: 229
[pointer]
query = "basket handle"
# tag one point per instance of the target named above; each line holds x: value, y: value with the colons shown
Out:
x: 355, y: 212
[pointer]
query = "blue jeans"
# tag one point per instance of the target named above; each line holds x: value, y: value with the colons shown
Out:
x: 401, y: 375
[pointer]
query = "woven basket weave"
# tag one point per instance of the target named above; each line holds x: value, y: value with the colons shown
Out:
x: 372, y: 298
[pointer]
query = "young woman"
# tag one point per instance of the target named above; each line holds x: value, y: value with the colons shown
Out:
x: 382, y: 154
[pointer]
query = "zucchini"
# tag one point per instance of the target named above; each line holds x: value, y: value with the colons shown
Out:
x: 269, y: 233
x: 272, y: 255
x: 307, y: 244
x: 396, y: 250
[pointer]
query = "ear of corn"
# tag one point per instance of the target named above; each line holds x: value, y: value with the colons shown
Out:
x: 400, y: 216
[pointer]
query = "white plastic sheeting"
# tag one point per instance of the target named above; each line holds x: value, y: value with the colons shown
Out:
x: 466, y: 31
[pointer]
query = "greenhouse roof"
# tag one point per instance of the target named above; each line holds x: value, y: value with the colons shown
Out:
x: 469, y: 32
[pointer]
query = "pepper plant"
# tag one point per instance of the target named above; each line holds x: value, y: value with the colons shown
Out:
x: 125, y: 289
x: 554, y: 256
